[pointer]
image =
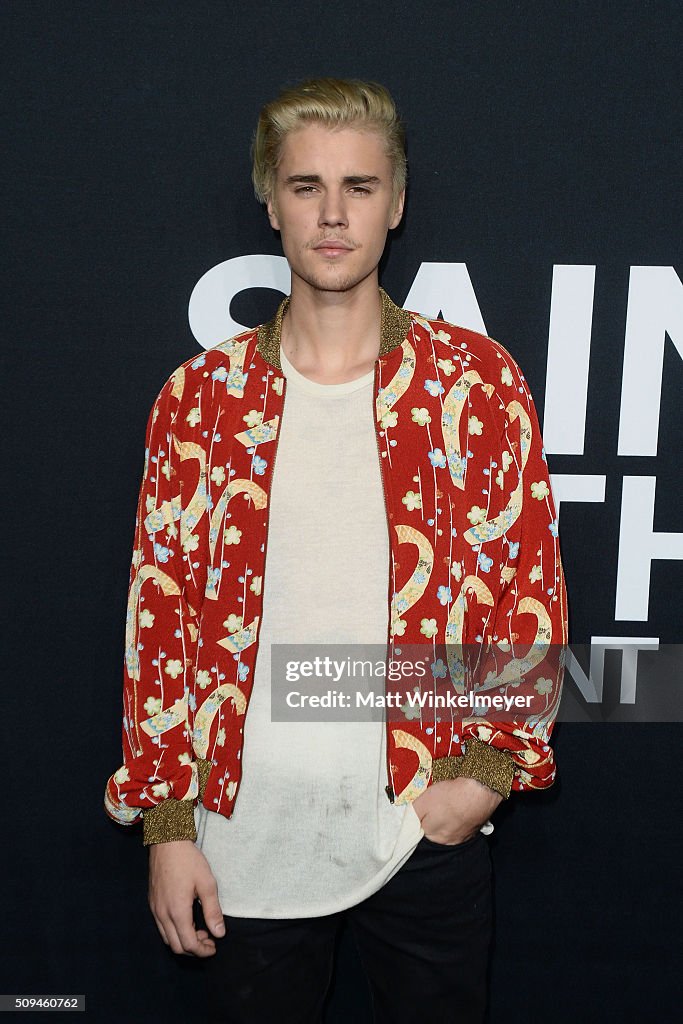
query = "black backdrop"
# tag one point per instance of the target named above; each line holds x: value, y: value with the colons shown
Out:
x: 540, y: 134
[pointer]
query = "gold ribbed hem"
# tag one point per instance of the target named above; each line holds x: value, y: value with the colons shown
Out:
x: 394, y: 327
x: 495, y: 768
x: 168, y: 821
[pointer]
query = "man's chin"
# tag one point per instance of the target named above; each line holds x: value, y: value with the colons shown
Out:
x: 333, y: 283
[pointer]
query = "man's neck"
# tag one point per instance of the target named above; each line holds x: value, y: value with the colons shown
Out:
x: 333, y: 337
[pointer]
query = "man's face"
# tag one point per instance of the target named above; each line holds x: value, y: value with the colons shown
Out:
x: 333, y: 205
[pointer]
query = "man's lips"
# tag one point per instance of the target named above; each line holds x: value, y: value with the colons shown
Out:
x: 332, y: 246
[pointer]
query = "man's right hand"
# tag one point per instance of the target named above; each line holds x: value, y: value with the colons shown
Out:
x: 178, y: 873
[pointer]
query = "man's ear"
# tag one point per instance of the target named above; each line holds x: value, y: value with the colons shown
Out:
x: 398, y: 210
x: 272, y: 214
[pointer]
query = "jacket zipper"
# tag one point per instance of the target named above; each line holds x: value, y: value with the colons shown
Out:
x: 389, y: 789
x: 265, y: 554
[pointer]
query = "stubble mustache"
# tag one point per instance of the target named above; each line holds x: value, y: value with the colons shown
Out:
x: 344, y: 239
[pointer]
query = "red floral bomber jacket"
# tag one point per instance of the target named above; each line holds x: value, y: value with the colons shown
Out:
x: 474, y: 559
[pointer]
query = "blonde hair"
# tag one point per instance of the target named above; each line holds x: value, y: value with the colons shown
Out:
x: 336, y: 103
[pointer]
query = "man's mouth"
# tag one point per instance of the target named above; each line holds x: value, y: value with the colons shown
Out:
x: 332, y: 246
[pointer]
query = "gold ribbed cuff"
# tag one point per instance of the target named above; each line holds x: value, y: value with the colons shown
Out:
x: 174, y: 819
x: 495, y: 768
x: 169, y: 821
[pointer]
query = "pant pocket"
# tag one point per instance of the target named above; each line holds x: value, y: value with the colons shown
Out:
x: 432, y: 844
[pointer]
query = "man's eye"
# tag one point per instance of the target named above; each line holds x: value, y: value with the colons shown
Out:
x: 304, y: 188
x: 361, y: 189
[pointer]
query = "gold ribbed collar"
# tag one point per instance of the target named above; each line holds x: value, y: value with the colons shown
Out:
x: 393, y: 329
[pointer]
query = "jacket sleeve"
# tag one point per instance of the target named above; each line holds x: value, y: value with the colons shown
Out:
x: 525, y: 643
x: 159, y: 778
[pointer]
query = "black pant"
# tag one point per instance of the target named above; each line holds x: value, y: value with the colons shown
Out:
x: 423, y: 940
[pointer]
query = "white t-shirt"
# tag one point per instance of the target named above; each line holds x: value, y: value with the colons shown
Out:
x: 312, y: 830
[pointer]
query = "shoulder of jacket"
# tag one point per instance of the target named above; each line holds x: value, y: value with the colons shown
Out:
x: 447, y: 336
x: 496, y: 366
x: 189, y: 378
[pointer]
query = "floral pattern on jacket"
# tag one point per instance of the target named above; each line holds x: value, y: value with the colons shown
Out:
x: 475, y: 560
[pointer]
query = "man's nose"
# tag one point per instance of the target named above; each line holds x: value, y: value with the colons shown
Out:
x: 332, y: 210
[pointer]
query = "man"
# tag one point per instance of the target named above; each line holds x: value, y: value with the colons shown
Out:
x: 411, y: 505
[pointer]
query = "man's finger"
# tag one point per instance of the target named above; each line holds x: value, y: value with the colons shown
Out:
x: 211, y: 911
x: 161, y: 929
x: 184, y: 925
x: 173, y: 938
x: 207, y: 946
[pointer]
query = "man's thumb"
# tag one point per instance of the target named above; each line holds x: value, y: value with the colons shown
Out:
x: 213, y: 914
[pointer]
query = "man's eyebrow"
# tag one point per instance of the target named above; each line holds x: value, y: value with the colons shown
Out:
x: 361, y: 179
x: 310, y: 179
x: 315, y: 179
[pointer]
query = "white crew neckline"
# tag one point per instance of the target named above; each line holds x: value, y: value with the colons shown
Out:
x: 314, y: 387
